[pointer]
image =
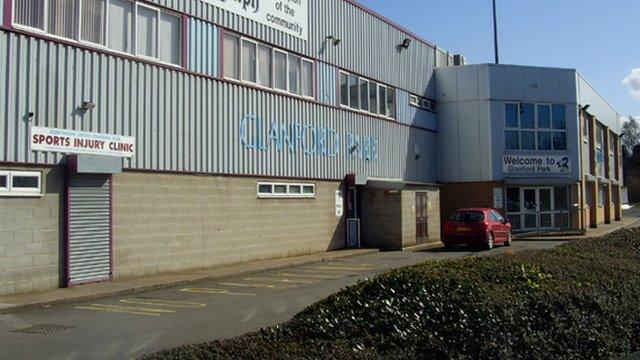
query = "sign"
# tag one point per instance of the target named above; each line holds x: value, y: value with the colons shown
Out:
x: 536, y: 164
x: 81, y: 142
x: 339, y: 204
x: 288, y: 16
x: 304, y: 138
x: 498, y: 199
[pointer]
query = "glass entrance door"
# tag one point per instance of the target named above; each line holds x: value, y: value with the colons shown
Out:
x: 538, y: 208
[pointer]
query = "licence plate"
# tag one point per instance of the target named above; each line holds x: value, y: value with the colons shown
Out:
x: 464, y: 229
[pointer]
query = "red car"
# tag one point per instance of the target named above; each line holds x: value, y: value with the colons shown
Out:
x: 477, y: 226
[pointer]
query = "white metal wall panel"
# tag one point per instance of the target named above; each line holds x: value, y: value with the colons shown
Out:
x: 89, y: 228
x: 182, y: 122
x: 369, y: 45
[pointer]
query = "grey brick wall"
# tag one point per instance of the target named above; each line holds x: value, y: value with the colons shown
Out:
x: 31, y: 233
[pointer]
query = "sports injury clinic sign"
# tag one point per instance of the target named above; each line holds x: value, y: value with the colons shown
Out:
x: 288, y: 16
x: 81, y: 142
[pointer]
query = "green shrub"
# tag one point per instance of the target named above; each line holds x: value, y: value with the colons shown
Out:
x: 578, y: 301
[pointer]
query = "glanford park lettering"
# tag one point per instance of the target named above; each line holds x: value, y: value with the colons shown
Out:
x: 305, y: 139
x: 81, y: 142
x: 532, y: 164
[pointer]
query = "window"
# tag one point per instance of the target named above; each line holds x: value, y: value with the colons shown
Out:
x: 307, y: 78
x: 249, y: 61
x: 231, y: 59
x: 294, y: 74
x: 256, y: 63
x: 170, y: 38
x: 422, y: 103
x: 280, y: 70
x: 62, y: 18
x: 467, y: 217
x: 364, y: 94
x: 535, y: 127
x: 360, y: 93
x: 29, y: 13
x: 20, y: 183
x: 585, y: 125
x: 283, y: 191
x: 93, y: 21
x: 116, y: 24
x: 120, y: 28
x: 147, y: 31
x: 265, y: 64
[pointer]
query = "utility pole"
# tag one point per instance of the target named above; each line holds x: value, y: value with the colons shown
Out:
x: 495, y: 32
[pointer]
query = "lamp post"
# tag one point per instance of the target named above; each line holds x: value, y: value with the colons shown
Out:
x: 495, y: 32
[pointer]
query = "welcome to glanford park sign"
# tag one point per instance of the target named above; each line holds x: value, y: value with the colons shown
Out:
x: 289, y: 16
x: 536, y: 164
x: 305, y: 139
x: 81, y: 142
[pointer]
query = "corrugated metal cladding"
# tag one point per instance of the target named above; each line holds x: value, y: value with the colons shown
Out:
x: 412, y: 115
x: 327, y: 83
x: 89, y: 228
x: 369, y: 45
x: 203, y: 47
x: 182, y: 122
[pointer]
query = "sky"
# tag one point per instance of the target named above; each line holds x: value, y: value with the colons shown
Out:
x: 600, y: 38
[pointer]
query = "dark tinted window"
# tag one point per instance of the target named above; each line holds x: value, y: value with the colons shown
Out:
x: 468, y: 216
x: 3, y: 181
x: 25, y: 182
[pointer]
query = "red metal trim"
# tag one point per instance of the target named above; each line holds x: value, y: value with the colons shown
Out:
x: 8, y: 11
x: 67, y: 223
x: 111, y: 270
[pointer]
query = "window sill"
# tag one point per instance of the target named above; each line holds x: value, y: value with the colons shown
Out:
x: 19, y: 195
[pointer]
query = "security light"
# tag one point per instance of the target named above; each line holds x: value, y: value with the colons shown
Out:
x: 88, y: 105
x: 406, y: 43
x: 586, y: 107
x: 335, y: 40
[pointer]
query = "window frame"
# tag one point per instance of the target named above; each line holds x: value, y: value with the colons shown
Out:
x: 313, y: 78
x: 105, y: 47
x: 289, y: 194
x: 379, y: 88
x: 536, y: 129
x: 241, y: 58
x: 9, y: 190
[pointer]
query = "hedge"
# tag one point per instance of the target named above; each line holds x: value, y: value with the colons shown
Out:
x: 580, y: 300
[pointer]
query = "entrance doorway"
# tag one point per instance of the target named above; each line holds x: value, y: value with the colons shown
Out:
x: 422, y: 217
x: 538, y: 208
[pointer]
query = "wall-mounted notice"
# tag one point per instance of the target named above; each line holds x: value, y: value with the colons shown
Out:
x: 81, y: 142
x: 339, y: 204
x: 288, y: 16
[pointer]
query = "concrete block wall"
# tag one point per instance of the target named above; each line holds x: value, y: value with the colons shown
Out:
x: 169, y: 223
x: 435, y: 220
x: 31, y: 235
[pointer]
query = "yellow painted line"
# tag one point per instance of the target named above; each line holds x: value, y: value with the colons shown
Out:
x: 256, y: 285
x: 120, y: 311
x: 282, y: 280
x: 311, y: 276
x: 210, y: 291
x: 136, y: 308
x: 338, y: 273
x: 168, y: 303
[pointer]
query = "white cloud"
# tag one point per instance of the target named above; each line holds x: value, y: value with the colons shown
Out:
x: 633, y: 81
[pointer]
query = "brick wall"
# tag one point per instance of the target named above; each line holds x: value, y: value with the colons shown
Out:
x: 31, y: 235
x: 463, y: 195
x: 166, y: 223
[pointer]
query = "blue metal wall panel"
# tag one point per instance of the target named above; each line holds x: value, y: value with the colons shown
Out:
x: 203, y: 47
x: 327, y: 83
x: 412, y: 115
x: 182, y: 122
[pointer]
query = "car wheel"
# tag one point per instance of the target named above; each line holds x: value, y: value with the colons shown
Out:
x: 489, y: 243
x: 509, y: 241
x: 448, y: 246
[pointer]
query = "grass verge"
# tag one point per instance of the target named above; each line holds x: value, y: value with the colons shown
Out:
x: 578, y: 301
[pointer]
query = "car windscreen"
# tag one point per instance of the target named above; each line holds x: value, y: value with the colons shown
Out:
x: 468, y: 217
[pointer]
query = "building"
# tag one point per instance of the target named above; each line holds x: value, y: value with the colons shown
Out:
x: 152, y: 136
x: 540, y: 144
